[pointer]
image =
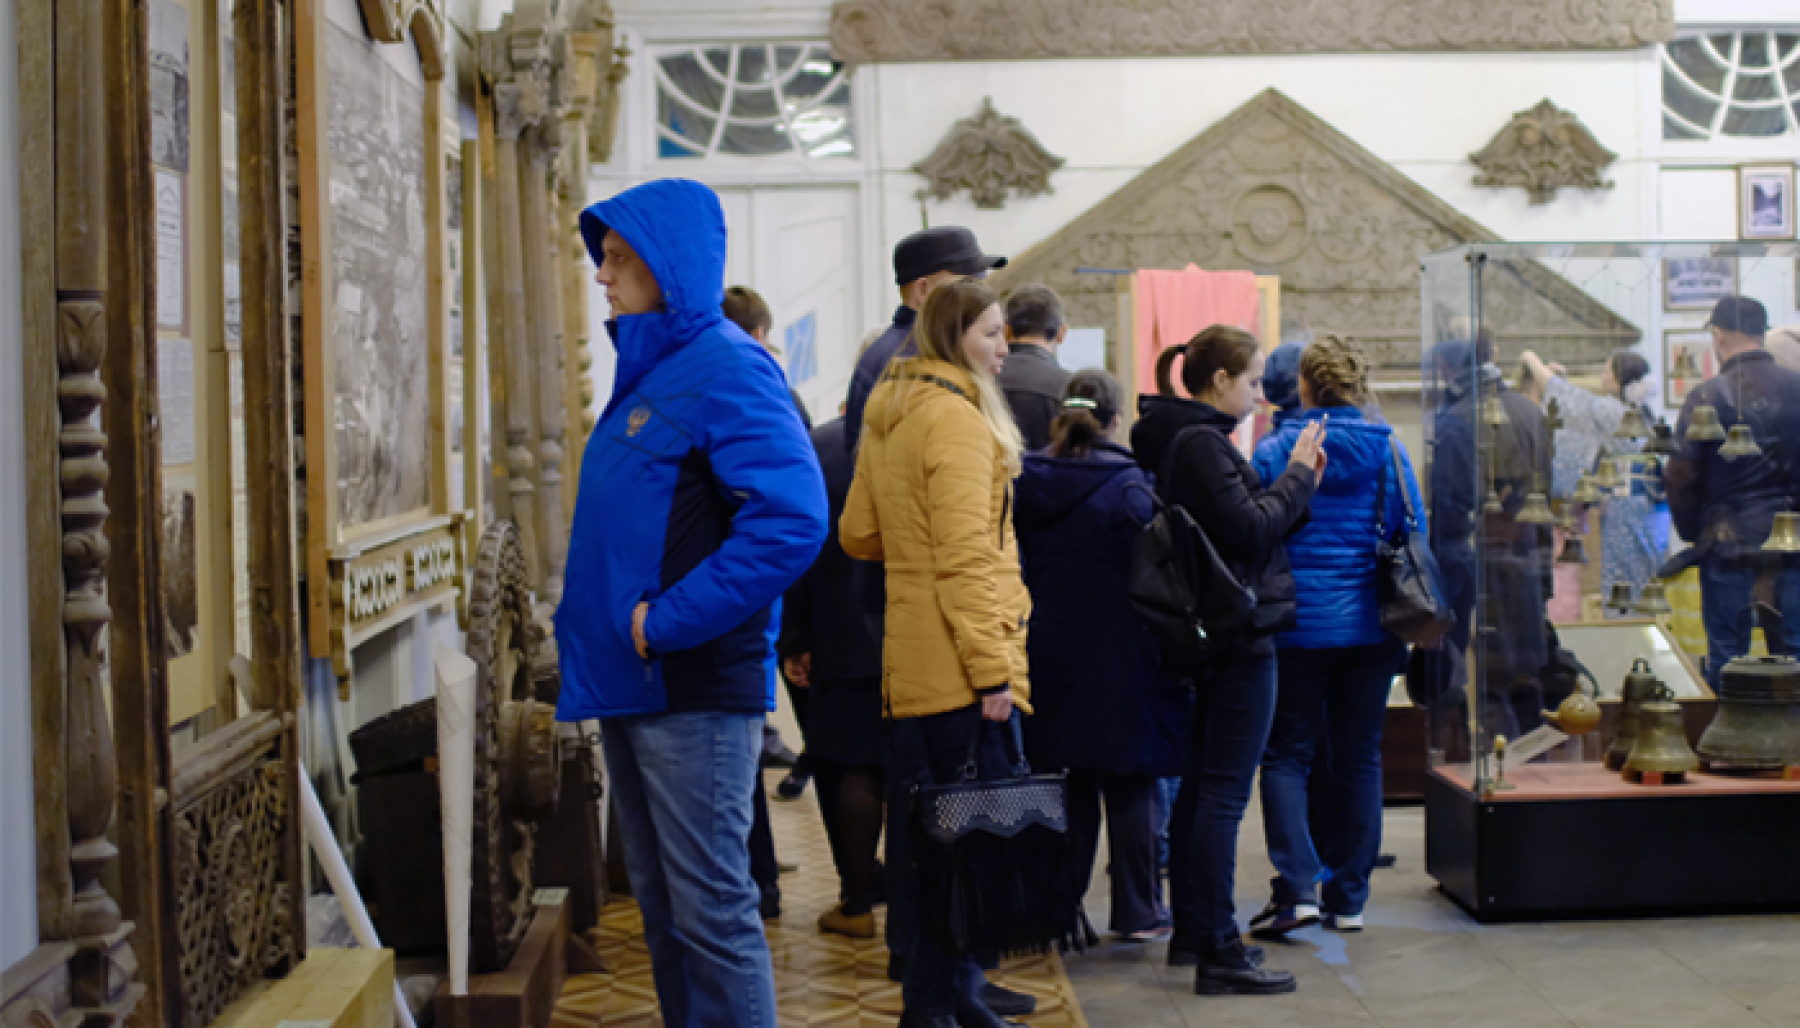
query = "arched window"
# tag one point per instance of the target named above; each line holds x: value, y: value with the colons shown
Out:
x: 1743, y: 85
x: 752, y: 100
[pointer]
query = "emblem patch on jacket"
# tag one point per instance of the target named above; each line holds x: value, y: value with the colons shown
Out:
x: 639, y: 418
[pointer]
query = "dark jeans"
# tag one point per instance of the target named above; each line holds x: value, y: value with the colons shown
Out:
x: 1233, y: 705
x: 1726, y: 589
x: 924, y: 751
x: 765, y: 869
x: 1335, y: 698
x: 1132, y: 820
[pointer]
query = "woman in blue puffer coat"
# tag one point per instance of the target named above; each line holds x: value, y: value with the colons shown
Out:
x: 1337, y: 664
x: 1103, y: 708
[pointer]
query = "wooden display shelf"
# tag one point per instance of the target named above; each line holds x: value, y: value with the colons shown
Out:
x: 524, y: 995
x: 1590, y: 781
x: 342, y: 988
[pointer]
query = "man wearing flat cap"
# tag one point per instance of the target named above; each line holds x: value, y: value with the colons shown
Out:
x: 1724, y: 503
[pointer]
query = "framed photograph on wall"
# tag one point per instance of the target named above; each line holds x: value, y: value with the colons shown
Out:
x: 1688, y: 360
x: 1766, y: 201
x: 1695, y: 284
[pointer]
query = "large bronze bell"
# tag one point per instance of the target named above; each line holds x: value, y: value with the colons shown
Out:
x: 1661, y: 746
x: 1784, y: 535
x: 1758, y: 723
x: 1740, y: 444
x: 1574, y: 551
x: 1705, y: 427
x: 1640, y: 687
x: 1632, y: 425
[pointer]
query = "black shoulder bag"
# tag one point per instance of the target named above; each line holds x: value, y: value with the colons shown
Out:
x: 1186, y: 594
x: 1407, y: 580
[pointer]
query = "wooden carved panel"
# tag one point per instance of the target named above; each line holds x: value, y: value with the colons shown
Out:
x: 867, y: 31
x: 1273, y: 189
x: 988, y: 154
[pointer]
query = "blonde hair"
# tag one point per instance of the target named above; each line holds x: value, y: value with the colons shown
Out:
x: 937, y: 335
x: 1336, y: 371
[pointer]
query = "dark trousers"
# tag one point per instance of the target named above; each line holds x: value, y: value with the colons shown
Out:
x: 1336, y: 699
x: 1233, y: 705
x: 923, y: 751
x: 1132, y: 821
x: 763, y: 867
x: 1727, y: 598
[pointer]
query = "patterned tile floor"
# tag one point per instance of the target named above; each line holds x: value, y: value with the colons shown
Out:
x: 819, y: 979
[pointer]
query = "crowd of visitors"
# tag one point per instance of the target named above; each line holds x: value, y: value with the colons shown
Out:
x: 946, y: 567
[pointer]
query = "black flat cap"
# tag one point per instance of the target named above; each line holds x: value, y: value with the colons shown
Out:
x: 945, y: 248
x: 1740, y: 314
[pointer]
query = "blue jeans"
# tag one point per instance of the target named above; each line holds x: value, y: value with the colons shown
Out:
x: 923, y: 751
x: 682, y: 784
x: 1336, y: 697
x: 1234, y: 703
x: 1726, y: 609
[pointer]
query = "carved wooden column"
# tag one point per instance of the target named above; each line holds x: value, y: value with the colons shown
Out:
x: 494, y: 300
x: 537, y: 156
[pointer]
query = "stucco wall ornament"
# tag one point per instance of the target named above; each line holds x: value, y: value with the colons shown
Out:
x: 1544, y: 149
x: 872, y: 31
x: 1273, y: 189
x: 987, y: 154
x: 389, y: 20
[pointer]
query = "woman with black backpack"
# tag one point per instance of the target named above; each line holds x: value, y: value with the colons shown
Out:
x: 1187, y: 444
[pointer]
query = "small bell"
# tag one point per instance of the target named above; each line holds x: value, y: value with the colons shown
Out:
x: 1740, y: 444
x: 1609, y: 478
x: 1705, y: 428
x: 1536, y: 510
x: 1640, y: 687
x: 1621, y: 599
x: 1632, y: 425
x: 1661, y: 747
x: 1493, y: 412
x: 1565, y: 518
x: 1653, y: 601
x: 1493, y: 504
x: 1586, y: 491
x: 1784, y: 536
x: 1684, y: 365
x: 1574, y: 551
x: 1662, y: 440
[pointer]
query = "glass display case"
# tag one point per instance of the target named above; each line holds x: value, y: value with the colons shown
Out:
x: 1611, y: 461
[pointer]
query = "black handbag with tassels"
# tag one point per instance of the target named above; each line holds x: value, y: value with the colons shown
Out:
x: 994, y: 855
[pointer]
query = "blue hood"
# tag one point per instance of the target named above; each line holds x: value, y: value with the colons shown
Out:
x: 1281, y: 377
x: 678, y: 228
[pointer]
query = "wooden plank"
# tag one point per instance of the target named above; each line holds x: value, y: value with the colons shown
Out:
x: 525, y: 994
x: 493, y: 303
x: 36, y: 158
x: 310, y: 112
x: 476, y: 487
x: 437, y: 289
x: 344, y: 988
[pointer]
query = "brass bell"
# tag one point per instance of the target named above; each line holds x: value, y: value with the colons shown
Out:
x: 1740, y: 444
x: 1632, y: 425
x: 1653, y: 600
x: 1493, y: 504
x: 1536, y: 510
x: 1704, y: 427
x: 1685, y: 367
x: 1574, y: 551
x: 1608, y: 477
x: 1493, y: 412
x: 1640, y: 687
x: 1621, y: 599
x: 1661, y: 746
x: 1565, y: 517
x: 1758, y: 722
x: 1784, y: 536
x: 1662, y: 440
x: 1586, y: 491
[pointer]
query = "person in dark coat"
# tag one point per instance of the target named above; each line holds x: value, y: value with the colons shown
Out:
x: 1514, y: 556
x: 1726, y: 506
x: 1104, y: 708
x: 1235, y: 688
x: 1032, y: 380
x: 831, y: 648
x: 1337, y: 664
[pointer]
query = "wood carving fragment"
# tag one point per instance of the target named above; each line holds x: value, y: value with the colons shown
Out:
x: 1542, y: 150
x: 988, y: 154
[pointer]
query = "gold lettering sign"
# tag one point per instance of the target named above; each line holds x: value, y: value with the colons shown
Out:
x: 377, y: 587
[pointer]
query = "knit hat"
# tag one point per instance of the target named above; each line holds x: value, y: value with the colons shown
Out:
x: 1281, y: 376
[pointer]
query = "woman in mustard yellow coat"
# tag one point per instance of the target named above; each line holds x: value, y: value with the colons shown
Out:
x: 932, y: 499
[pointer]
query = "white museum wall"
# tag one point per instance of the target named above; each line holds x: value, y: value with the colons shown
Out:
x: 18, y: 854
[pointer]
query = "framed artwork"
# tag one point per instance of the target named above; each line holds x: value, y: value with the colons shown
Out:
x: 1766, y: 201
x: 1698, y: 283
x: 1688, y: 360
x: 375, y: 317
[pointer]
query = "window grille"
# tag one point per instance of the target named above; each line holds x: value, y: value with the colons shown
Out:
x: 753, y: 100
x: 1742, y: 85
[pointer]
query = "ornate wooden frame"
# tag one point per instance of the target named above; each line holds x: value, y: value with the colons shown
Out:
x: 334, y: 552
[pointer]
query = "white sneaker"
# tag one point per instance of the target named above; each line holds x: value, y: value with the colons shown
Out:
x: 1343, y: 922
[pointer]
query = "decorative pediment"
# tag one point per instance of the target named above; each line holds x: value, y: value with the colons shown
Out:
x: 389, y: 20
x: 1542, y: 150
x: 988, y: 154
x: 871, y: 31
x: 1273, y: 189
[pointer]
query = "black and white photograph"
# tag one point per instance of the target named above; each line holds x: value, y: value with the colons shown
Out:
x: 1696, y: 284
x: 1766, y: 202
x: 180, y: 570
x: 376, y: 128
x: 169, y: 85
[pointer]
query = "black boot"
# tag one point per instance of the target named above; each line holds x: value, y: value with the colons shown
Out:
x: 908, y: 1019
x: 1007, y: 1002
x: 1228, y: 971
x: 972, y: 1013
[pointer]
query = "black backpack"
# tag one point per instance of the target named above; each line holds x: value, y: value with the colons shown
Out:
x: 1191, y: 600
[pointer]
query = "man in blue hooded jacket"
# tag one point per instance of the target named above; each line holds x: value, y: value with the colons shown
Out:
x: 701, y: 503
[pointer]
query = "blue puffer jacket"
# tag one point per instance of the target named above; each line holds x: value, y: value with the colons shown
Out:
x: 1334, y: 555
x: 700, y: 492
